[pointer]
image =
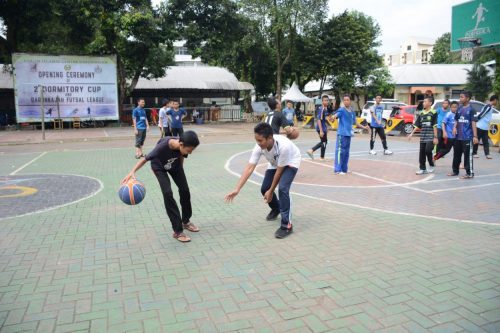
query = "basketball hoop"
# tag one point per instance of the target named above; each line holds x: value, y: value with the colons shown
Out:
x: 467, y: 44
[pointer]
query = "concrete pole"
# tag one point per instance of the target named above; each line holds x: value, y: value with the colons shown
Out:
x: 43, y: 112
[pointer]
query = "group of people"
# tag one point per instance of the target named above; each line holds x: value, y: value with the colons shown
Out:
x: 459, y: 128
x: 169, y: 122
x: 454, y: 125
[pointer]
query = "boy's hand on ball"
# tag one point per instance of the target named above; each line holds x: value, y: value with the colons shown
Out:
x: 127, y: 178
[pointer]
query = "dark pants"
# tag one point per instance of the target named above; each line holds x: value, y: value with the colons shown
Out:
x: 462, y: 147
x: 322, y: 144
x: 482, y: 135
x: 173, y: 213
x: 166, y: 132
x: 441, y: 144
x: 177, y: 131
x: 381, y: 133
x: 426, y: 149
x: 140, y: 138
x: 448, y: 144
x: 283, y: 204
x: 342, y: 148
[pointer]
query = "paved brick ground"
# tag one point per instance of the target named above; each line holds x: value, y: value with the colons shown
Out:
x: 99, y: 265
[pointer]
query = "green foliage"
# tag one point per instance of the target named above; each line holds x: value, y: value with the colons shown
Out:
x: 441, y: 52
x: 479, y: 83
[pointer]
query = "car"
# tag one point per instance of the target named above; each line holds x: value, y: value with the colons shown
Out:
x: 387, y: 104
x: 476, y: 106
x: 407, y: 114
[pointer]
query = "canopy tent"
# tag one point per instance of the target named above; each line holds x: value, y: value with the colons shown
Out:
x: 293, y: 94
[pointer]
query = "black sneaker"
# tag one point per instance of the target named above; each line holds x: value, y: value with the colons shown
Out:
x: 283, y: 232
x: 273, y: 215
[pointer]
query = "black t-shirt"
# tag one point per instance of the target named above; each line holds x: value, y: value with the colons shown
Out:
x: 163, y: 158
x: 276, y: 120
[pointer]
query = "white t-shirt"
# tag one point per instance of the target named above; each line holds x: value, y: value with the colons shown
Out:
x: 283, y: 153
x: 164, y: 117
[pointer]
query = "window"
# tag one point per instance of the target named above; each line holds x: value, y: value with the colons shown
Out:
x: 404, y: 58
x: 408, y: 48
x: 425, y: 56
x: 411, y: 110
x: 181, y: 50
x: 390, y: 60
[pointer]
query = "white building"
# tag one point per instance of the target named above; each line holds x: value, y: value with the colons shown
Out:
x: 182, y: 56
x: 415, y: 50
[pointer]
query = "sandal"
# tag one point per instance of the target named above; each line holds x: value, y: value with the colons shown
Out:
x: 467, y: 177
x: 191, y: 227
x: 181, y: 237
x: 452, y: 174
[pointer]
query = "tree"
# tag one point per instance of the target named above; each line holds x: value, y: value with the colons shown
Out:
x: 479, y: 82
x: 441, y: 52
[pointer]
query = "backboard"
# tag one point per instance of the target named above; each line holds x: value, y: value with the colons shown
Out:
x: 478, y: 20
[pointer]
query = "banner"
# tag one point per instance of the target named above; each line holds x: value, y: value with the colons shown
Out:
x: 70, y: 86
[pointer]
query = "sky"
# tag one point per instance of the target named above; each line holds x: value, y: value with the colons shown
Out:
x: 399, y: 19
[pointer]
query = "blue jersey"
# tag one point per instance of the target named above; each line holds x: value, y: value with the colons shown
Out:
x: 176, y: 117
x: 449, y: 123
x: 346, y: 119
x: 322, y: 114
x: 289, y: 113
x: 378, y: 111
x: 464, y: 118
x: 140, y: 118
x: 484, y: 117
x: 440, y: 115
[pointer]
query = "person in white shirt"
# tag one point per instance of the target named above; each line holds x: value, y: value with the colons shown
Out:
x: 284, y: 161
x: 164, y: 122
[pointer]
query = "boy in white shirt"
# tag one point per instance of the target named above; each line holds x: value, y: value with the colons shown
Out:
x: 284, y: 161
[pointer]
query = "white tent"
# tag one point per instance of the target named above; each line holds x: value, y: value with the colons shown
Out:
x: 293, y: 94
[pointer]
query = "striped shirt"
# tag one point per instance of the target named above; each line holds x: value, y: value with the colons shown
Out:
x: 426, y: 121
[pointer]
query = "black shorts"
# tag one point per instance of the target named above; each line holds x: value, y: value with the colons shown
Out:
x: 140, y: 138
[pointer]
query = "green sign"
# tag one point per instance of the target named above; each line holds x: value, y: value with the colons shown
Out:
x: 476, y: 19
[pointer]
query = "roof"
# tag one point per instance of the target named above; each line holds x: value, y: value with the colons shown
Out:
x: 293, y: 94
x: 6, y: 79
x: 423, y: 40
x: 195, y: 78
x: 430, y: 74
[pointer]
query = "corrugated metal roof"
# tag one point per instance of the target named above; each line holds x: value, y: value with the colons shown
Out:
x: 430, y: 74
x: 196, y: 78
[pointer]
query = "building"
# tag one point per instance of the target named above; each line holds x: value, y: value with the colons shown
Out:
x: 414, y: 82
x: 415, y: 50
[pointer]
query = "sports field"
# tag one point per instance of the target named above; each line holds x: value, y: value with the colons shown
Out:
x: 376, y: 250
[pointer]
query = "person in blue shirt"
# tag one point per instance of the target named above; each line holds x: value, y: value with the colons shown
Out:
x: 289, y: 113
x: 465, y: 131
x: 447, y: 124
x: 377, y: 126
x: 321, y: 127
x: 347, y: 119
x: 141, y: 126
x: 483, y: 125
x: 176, y: 115
x: 441, y: 112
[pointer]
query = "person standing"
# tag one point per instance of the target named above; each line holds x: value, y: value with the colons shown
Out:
x: 321, y: 128
x: 483, y: 126
x: 377, y: 127
x: 448, y: 123
x: 426, y: 123
x: 441, y: 112
x: 347, y: 119
x: 465, y: 129
x: 276, y: 118
x: 154, y: 115
x: 164, y: 121
x: 167, y: 158
x: 284, y: 161
x: 141, y: 126
x: 176, y: 114
x: 289, y: 113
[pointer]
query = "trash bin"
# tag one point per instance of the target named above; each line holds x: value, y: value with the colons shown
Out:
x: 199, y: 121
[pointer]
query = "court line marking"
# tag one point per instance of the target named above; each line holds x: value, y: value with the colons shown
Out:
x: 101, y: 187
x: 229, y: 161
x: 454, y: 178
x: 463, y: 187
x: 26, y: 164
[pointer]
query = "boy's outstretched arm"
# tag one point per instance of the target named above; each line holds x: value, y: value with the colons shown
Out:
x: 243, y: 179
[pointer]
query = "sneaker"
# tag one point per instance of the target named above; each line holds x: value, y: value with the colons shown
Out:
x: 387, y: 152
x: 430, y: 170
x: 475, y: 156
x: 191, y: 227
x: 310, y: 153
x: 373, y: 152
x: 273, y: 215
x: 342, y: 173
x: 421, y: 172
x: 283, y: 232
x: 489, y: 157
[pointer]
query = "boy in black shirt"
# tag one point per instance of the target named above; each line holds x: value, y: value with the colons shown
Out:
x: 276, y: 118
x: 167, y: 158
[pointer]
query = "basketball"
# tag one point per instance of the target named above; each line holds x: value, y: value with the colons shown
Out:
x: 132, y: 192
x: 294, y: 134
